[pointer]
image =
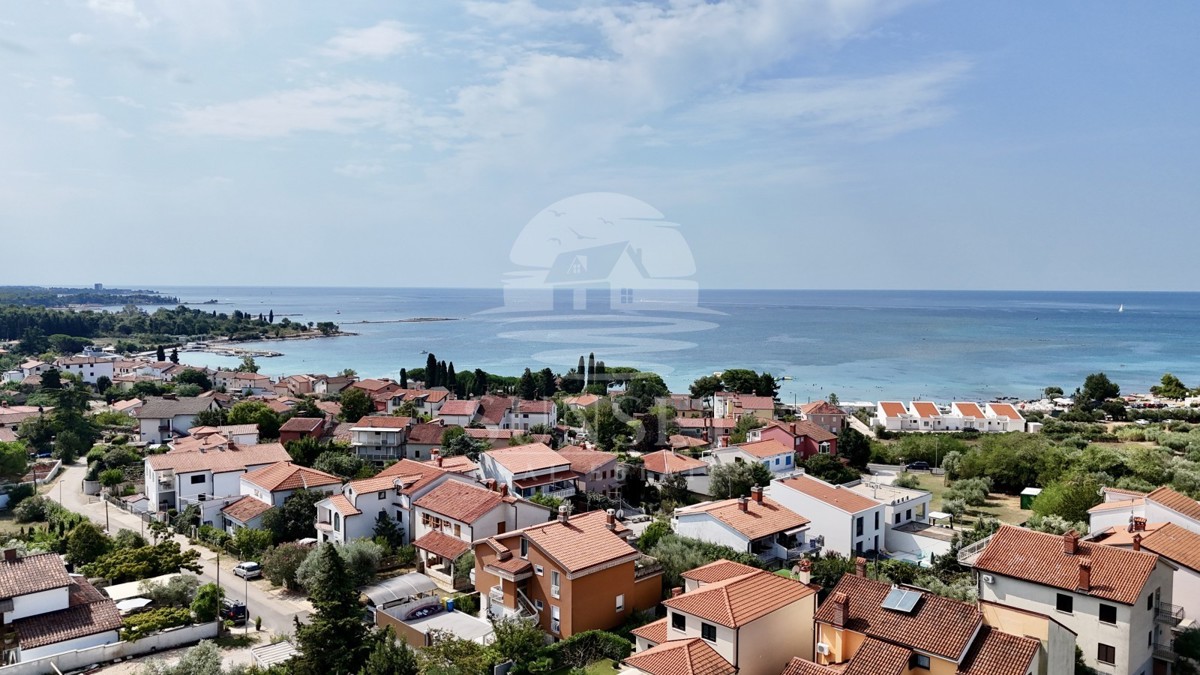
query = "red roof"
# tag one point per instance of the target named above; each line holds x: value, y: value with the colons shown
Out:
x: 821, y: 408
x: 88, y: 612
x: 379, y: 422
x: 765, y: 449
x: 876, y: 657
x: 758, y: 520
x: 442, y: 544
x: 583, y: 542
x: 461, y: 501
x: 1005, y: 410
x: 463, y: 407
x: 925, y: 409
x: 343, y: 506
x: 246, y: 509
x: 288, y: 476
x: 654, y: 632
x: 1179, y: 503
x: 667, y: 462
x: 303, y: 424
x: 739, y: 600
x: 969, y: 410
x: 586, y: 461
x: 893, y: 409
x: 691, y: 656
x: 804, y: 429
x: 531, y: 457
x: 410, y: 474
x: 836, y: 496
x: 719, y: 570
x: 995, y: 652
x: 427, y: 433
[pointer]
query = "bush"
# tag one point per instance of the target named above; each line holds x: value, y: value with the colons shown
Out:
x: 680, y: 554
x: 32, y: 510
x: 587, y: 647
x: 468, y: 603
x: 280, y: 564
x: 137, y: 626
x: 907, y: 480
x: 19, y: 494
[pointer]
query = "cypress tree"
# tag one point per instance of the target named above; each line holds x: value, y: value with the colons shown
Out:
x: 591, y: 368
x: 403, y: 378
x: 451, y: 378
x: 430, y: 370
x: 480, y: 386
x: 528, y: 388
x: 160, y: 355
x: 271, y: 316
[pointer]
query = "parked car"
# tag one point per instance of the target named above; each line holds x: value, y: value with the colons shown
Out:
x: 248, y: 570
x: 233, y: 610
x: 917, y: 466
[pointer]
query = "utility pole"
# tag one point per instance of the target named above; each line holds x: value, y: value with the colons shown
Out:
x: 246, y: 579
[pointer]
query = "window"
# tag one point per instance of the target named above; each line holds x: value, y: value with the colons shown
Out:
x: 458, y: 530
x: 198, y: 479
x: 524, y: 547
x: 1065, y: 603
x: 538, y: 604
x: 1150, y: 639
x: 382, y: 495
x: 555, y: 619
x: 337, y: 522
x: 678, y: 621
x: 776, y: 461
x: 908, y: 514
x: 897, y: 518
x: 877, y: 520
x: 538, y: 570
x: 1150, y: 602
x: 626, y: 296
x: 1108, y: 613
x: 787, y: 460
x: 858, y: 526
x: 554, y: 584
x: 621, y: 603
x: 1106, y: 653
x: 708, y: 632
x: 919, y: 661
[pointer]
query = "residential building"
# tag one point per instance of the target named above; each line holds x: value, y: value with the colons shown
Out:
x: 664, y: 463
x: 908, y: 531
x: 581, y: 402
x: 380, y: 439
x: 804, y: 438
x: 460, y: 464
x: 374, y: 387
x: 274, y: 484
x: 572, y: 574
x: 460, y: 412
x: 453, y: 515
x: 824, y: 415
x: 842, y: 520
x: 529, y: 469
x: 503, y: 438
x: 597, y: 470
x: 46, y: 611
x: 714, y: 430
x: 162, y: 418
x: 894, y: 416
x: 27, y: 369
x: 1007, y: 417
x: 973, y: 417
x: 928, y: 416
x: 424, y: 401
x: 732, y: 618
x: 734, y: 406
x: 1118, y: 509
x: 425, y: 438
x: 757, y: 525
x: 242, y: 434
x: 525, y: 415
x: 87, y: 368
x: 684, y: 405
x: 1178, y: 545
x: 238, y: 382
x: 1117, y: 601
x: 209, y: 477
x: 301, y: 427
x: 1165, y: 505
x: 780, y: 459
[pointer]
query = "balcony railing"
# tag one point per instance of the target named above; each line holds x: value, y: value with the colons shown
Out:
x: 1169, y: 614
x: 967, y: 555
x: 1164, y: 651
x: 496, y: 594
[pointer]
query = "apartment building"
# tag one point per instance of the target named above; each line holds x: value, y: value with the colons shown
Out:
x: 530, y: 469
x: 842, y: 520
x: 161, y: 419
x: 208, y: 477
x: 380, y: 439
x: 757, y: 525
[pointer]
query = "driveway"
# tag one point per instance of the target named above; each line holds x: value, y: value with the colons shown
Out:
x: 276, y: 607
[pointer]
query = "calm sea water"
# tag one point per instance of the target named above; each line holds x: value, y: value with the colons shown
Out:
x: 862, y: 345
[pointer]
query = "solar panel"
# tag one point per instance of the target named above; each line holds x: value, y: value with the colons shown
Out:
x: 901, y: 599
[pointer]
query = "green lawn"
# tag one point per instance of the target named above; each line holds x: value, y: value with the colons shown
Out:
x: 601, y: 667
x: 8, y: 524
x: 1005, y: 508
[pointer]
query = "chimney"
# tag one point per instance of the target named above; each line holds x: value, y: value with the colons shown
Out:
x: 610, y: 519
x: 804, y: 571
x: 1139, y: 524
x: 10, y: 555
x: 756, y: 493
x: 793, y: 427
x: 564, y: 514
x: 1071, y: 543
x: 841, y: 609
x: 437, y: 459
x: 435, y: 453
x: 491, y: 484
x: 860, y: 567
x: 1085, y: 576
x: 1137, y: 542
x: 503, y: 489
x: 676, y: 592
x: 743, y: 503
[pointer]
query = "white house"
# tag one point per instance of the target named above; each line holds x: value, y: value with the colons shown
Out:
x: 1006, y: 416
x: 88, y: 368
x: 1165, y: 505
x: 907, y: 527
x: 380, y: 439
x: 459, y: 412
x: 242, y: 434
x: 209, y: 478
x: 842, y: 520
x: 894, y: 416
x: 29, y: 368
x: 1117, y: 601
x: 524, y: 415
x: 162, y: 418
x: 1178, y: 545
x: 47, y: 611
x: 776, y: 456
x: 529, y: 469
x: 270, y: 486
x: 237, y: 382
x: 757, y: 525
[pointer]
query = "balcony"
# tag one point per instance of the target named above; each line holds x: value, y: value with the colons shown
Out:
x: 1164, y: 651
x: 1168, y: 614
x: 496, y: 594
x: 967, y: 555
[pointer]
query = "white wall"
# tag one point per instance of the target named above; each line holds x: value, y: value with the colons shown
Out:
x: 1098, y: 521
x: 705, y: 527
x: 42, y: 602
x: 837, y: 526
x: 105, y: 638
x: 66, y: 661
x: 1156, y: 513
x: 725, y: 644
x: 909, y: 542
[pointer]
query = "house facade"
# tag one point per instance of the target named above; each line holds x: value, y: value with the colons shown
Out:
x: 597, y: 470
x: 529, y: 470
x: 842, y: 520
x: 209, y: 478
x: 804, y: 438
x: 780, y: 459
x: 757, y: 525
x: 162, y: 418
x: 379, y: 439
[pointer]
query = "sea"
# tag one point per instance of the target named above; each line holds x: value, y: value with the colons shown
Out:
x: 859, y: 345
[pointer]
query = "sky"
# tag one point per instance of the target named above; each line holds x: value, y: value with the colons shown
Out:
x: 796, y: 144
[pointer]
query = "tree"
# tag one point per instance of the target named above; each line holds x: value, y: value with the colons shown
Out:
x: 680, y: 554
x: 68, y: 445
x: 356, y: 404
x: 641, y: 392
x: 295, y: 519
x: 207, y: 603
x: 448, y: 654
x: 255, y: 412
x: 591, y: 368
x: 111, y: 478
x: 653, y: 533
x: 52, y: 379
x: 1069, y: 498
x: 248, y: 365
x: 160, y: 354
x: 174, y: 355
x: 518, y: 640
x: 736, y: 479
x: 387, y: 531
x: 389, y: 656
x: 14, y: 458
x: 740, y: 381
x: 103, y: 383
x: 479, y: 384
x: 403, y: 378
x: 178, y: 591
x: 830, y: 470
x: 196, y: 377
x: 131, y: 564
x: 249, y: 542
x: 1096, y: 389
x: 528, y: 386
x: 1052, y: 392
x: 609, y: 432
x: 341, y: 464
x: 744, y: 424
x: 211, y: 417
x: 767, y: 386
x: 451, y: 382
x: 85, y: 543
x: 305, y: 451
x: 854, y: 447
x: 281, y: 563
x: 547, y: 383
x: 1171, y: 387
x: 334, y: 641
x: 674, y: 488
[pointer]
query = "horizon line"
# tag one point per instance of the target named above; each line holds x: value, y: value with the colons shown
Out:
x: 140, y: 287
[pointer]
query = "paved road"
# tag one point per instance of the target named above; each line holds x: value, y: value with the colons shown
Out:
x: 276, y: 608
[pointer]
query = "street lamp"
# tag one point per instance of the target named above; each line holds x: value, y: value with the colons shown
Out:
x: 246, y: 579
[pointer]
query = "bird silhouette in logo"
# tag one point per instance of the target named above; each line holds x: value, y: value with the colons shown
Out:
x: 556, y: 240
x: 557, y: 214
x: 577, y: 235
x: 606, y: 221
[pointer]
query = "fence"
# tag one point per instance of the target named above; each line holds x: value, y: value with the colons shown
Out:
x: 81, y: 658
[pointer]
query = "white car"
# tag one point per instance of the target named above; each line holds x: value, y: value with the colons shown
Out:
x: 248, y: 570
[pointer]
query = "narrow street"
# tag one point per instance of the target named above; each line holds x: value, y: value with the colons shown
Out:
x: 276, y: 608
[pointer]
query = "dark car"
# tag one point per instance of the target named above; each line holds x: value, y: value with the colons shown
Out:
x: 233, y: 610
x: 917, y: 466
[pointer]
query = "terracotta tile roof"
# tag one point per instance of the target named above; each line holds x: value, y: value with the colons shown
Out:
x: 893, y: 409
x: 156, y: 408
x: 836, y: 496
x: 1166, y: 497
x: 581, y: 543
x: 705, y: 422
x: 1122, y: 491
x: 681, y: 442
x: 343, y: 506
x: 876, y: 657
x: 1121, y: 536
x: 587, y: 461
x: 204, y: 442
x: 765, y: 449
x: 492, y: 409
x: 936, y: 625
x: 513, y: 565
x: 457, y: 464
x: 1117, y: 574
x: 288, y: 476
x: 804, y: 428
x: 303, y: 424
x: 968, y: 410
x: 371, y: 385
x: 430, y: 395
x: 583, y: 401
x: 655, y: 631
x: 1005, y: 410
x: 341, y: 432
x: 88, y: 612
x: 925, y: 409
x: 32, y: 574
x: 7, y: 435
x: 995, y: 652
x: 531, y: 457
x: 442, y: 544
x: 1118, y: 505
x: 667, y: 462
x: 427, y: 433
x: 410, y: 474
x: 380, y: 422
x: 459, y: 408
x: 755, y: 402
x: 1174, y: 543
x: 798, y: 666
x: 246, y: 509
x: 233, y: 458
x: 534, y: 407
x: 331, y: 408
x: 692, y: 656
x: 758, y: 520
x: 718, y: 571
x: 546, y: 479
x: 739, y: 600
x: 459, y: 501
x: 821, y: 408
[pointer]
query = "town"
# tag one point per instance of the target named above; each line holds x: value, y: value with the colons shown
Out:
x: 591, y: 521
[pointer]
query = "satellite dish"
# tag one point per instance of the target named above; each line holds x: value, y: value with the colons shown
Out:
x: 621, y: 514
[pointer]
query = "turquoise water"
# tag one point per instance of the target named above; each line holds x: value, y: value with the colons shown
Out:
x: 862, y: 345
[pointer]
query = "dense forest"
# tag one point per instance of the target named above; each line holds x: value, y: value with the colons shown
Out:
x: 38, y: 296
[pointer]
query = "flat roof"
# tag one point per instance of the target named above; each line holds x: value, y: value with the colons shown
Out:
x: 458, y: 624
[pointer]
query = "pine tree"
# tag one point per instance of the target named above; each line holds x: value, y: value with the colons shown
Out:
x: 441, y: 378
x: 547, y: 383
x: 403, y: 378
x: 334, y: 641
x: 528, y: 387
x: 480, y: 385
x: 430, y: 371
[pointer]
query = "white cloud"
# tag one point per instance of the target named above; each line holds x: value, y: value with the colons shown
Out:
x: 60, y: 82
x: 342, y: 108
x: 382, y: 40
x: 126, y: 101
x: 126, y: 10
x: 79, y: 38
x: 358, y: 169
x: 81, y: 121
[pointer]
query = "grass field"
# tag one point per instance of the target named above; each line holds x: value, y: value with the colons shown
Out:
x: 1005, y: 508
x: 601, y: 667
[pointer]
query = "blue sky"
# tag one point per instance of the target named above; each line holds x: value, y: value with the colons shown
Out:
x: 855, y: 144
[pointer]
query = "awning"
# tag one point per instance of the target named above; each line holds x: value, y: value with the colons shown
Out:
x: 938, y: 515
x: 797, y: 530
x: 266, y: 656
x: 399, y: 588
x: 132, y: 604
x: 442, y: 544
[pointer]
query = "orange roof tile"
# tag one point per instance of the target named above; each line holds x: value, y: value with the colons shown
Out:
x: 586, y: 461
x: 798, y: 666
x: 303, y: 424
x: 458, y: 408
x: 667, y: 462
x: 936, y: 625
x: 1174, y: 543
x: 893, y: 409
x: 381, y: 422
x: 343, y: 506
x: 427, y: 433
x: 288, y: 476
x: 821, y: 408
x: 765, y: 449
x: 1166, y: 497
x: 32, y: 574
x: 739, y: 600
x: 88, y: 612
x: 457, y: 464
x: 833, y: 495
x: 1117, y: 574
x: 1121, y: 536
x: 460, y: 501
x: 692, y: 656
x: 531, y: 457
x: 719, y: 570
x: 1005, y: 410
x: 654, y: 632
x: 583, y: 542
x: 232, y: 458
x: 925, y: 409
x: 1117, y: 505
x: 995, y: 652
x: 969, y: 410
x: 441, y: 544
x: 681, y: 442
x: 876, y: 657
x: 1123, y: 491
x: 758, y: 520
x: 246, y: 509
x: 755, y: 402
x: 804, y: 428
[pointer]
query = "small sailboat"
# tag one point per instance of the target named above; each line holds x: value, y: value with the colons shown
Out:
x: 1120, y: 309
